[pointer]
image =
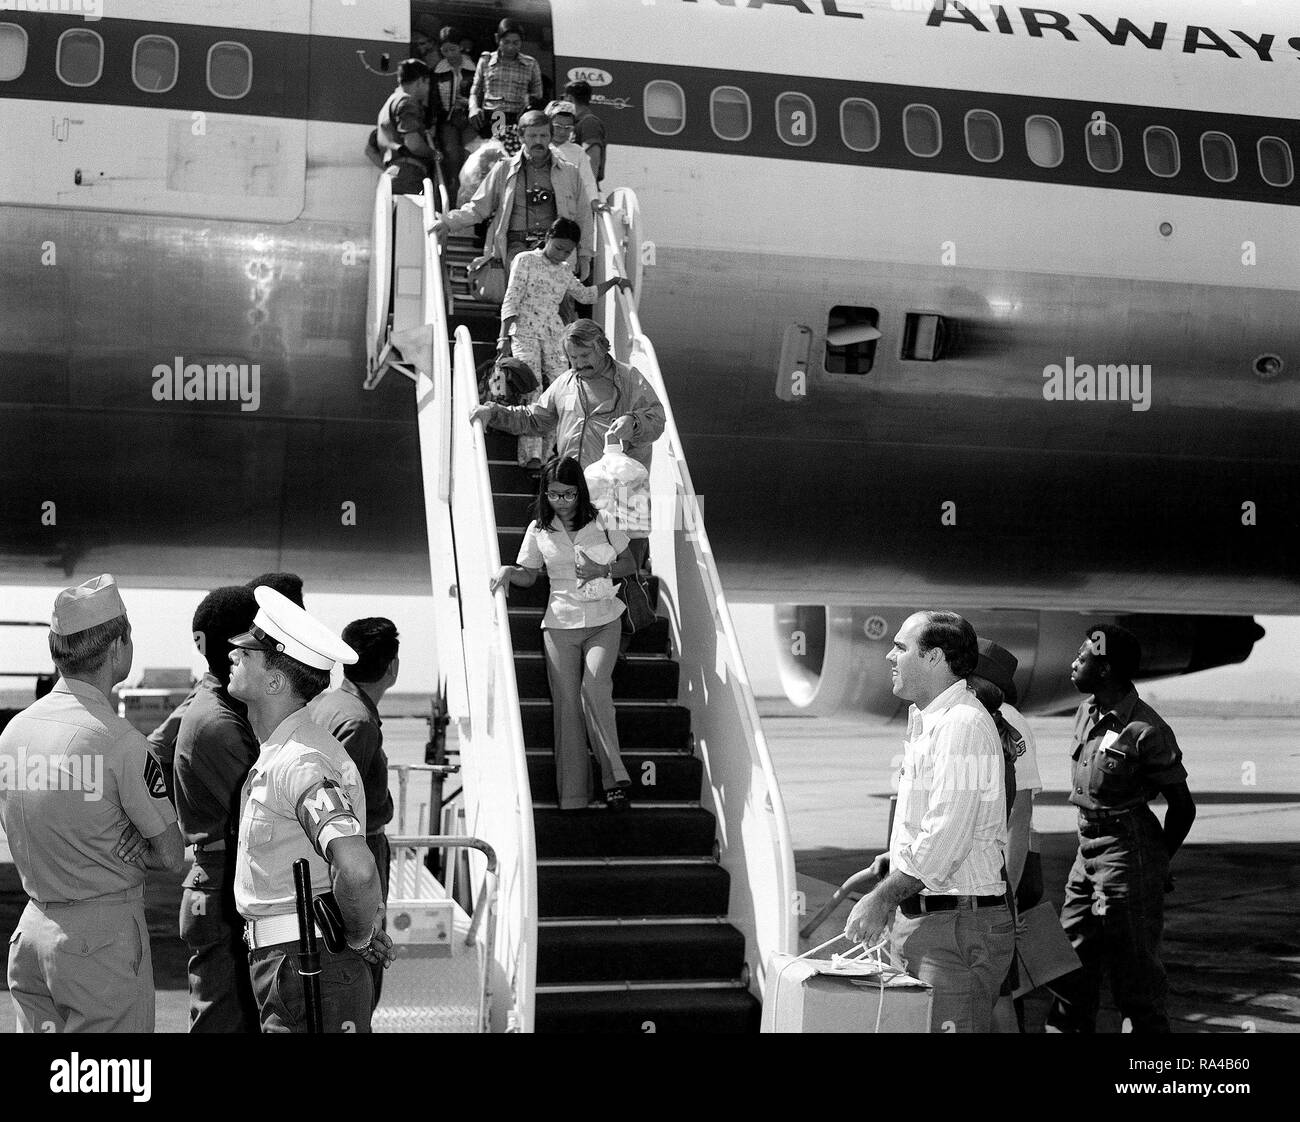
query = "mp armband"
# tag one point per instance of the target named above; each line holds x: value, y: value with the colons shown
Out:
x: 324, y: 813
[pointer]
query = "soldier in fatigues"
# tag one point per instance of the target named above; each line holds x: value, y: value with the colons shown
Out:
x: 302, y: 799
x: 85, y: 809
x: 1124, y: 755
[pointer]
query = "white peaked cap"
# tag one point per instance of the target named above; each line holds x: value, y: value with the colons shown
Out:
x: 280, y: 625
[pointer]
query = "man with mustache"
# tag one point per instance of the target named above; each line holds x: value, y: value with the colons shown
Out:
x: 523, y: 196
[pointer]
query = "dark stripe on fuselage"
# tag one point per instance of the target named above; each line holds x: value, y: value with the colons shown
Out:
x: 326, y: 78
x: 628, y: 127
x: 347, y: 82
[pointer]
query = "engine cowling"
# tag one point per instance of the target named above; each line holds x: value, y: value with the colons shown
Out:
x: 832, y: 658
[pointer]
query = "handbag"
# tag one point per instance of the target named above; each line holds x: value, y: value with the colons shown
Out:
x: 638, y: 613
x: 1043, y: 950
x: 487, y: 279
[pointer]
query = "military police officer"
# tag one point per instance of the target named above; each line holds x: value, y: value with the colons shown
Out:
x: 303, y: 798
x: 1124, y: 755
x: 86, y: 812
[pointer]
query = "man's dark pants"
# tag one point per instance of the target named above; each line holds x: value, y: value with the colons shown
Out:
x: 1114, y: 915
x: 346, y: 989
x: 221, y: 995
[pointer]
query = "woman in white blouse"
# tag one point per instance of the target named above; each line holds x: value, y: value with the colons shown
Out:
x: 581, y: 549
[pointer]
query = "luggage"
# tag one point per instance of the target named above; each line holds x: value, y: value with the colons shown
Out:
x: 1043, y: 950
x: 854, y: 992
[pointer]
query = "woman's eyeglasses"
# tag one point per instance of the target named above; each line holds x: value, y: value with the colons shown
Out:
x: 562, y: 496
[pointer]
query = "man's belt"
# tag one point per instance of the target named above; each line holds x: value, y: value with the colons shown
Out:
x: 919, y: 905
x: 1105, y: 815
x: 268, y: 931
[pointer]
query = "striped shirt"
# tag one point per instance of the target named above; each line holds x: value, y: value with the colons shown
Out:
x: 950, y: 828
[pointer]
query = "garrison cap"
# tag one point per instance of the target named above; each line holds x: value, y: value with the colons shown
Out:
x: 88, y: 605
x: 280, y: 625
x: 998, y: 665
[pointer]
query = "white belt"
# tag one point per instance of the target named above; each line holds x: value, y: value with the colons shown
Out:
x: 270, y: 930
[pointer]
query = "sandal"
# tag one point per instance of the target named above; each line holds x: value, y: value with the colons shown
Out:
x: 616, y: 799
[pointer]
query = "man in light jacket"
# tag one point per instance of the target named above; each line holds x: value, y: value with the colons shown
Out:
x: 523, y: 196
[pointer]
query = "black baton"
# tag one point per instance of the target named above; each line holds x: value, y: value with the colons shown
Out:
x: 308, y: 955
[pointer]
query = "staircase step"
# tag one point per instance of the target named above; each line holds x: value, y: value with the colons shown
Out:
x: 676, y: 776
x: 635, y: 832
x: 526, y: 633
x: 509, y: 478
x: 597, y: 889
x: 728, y: 1007
x: 638, y: 951
x: 513, y: 508
x: 636, y: 676
x: 641, y: 725
x: 501, y: 446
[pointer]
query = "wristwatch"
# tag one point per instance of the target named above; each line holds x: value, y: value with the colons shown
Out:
x: 363, y: 944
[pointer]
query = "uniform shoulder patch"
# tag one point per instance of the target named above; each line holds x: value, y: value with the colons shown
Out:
x: 153, y: 777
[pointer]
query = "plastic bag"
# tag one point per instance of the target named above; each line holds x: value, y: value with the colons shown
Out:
x: 620, y: 486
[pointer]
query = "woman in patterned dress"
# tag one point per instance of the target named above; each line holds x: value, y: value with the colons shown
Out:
x: 531, y: 327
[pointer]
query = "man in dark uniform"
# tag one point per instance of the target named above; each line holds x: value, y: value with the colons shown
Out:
x: 401, y: 131
x: 162, y: 741
x: 350, y: 714
x: 214, y: 750
x: 1124, y: 755
x: 303, y: 798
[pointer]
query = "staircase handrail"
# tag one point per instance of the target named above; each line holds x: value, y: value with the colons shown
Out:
x: 780, y: 933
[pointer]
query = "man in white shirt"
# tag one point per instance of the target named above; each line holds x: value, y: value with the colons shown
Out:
x: 563, y: 118
x: 943, y: 872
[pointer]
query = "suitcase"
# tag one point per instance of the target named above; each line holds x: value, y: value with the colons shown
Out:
x: 854, y: 992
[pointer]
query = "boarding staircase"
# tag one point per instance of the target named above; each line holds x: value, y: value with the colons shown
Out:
x: 659, y: 918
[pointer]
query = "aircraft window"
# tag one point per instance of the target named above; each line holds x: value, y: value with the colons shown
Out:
x: 1219, y: 157
x: 1161, y: 148
x: 665, y: 108
x: 729, y: 112
x: 13, y: 51
x: 1275, y: 163
x: 1044, y: 142
x: 80, y: 57
x: 154, y: 63
x: 851, y: 335
x: 922, y: 132
x: 1105, y: 149
x: 984, y: 136
x: 859, y: 124
x: 230, y: 70
x: 796, y: 119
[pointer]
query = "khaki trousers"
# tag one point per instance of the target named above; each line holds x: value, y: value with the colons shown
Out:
x: 82, y: 967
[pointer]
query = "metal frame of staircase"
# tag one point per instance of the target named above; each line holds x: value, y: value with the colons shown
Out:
x: 477, y: 660
x: 753, y: 833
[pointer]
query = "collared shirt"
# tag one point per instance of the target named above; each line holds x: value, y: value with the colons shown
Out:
x: 579, y: 412
x: 453, y: 86
x: 529, y: 218
x: 302, y: 793
x: 1028, y: 777
x: 950, y: 828
x: 1122, y: 757
x: 214, y: 750
x: 73, y: 776
x: 555, y: 549
x: 352, y: 719
x: 162, y: 741
x: 505, y: 83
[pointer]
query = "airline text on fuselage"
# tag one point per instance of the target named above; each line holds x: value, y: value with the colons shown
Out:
x: 1043, y: 23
